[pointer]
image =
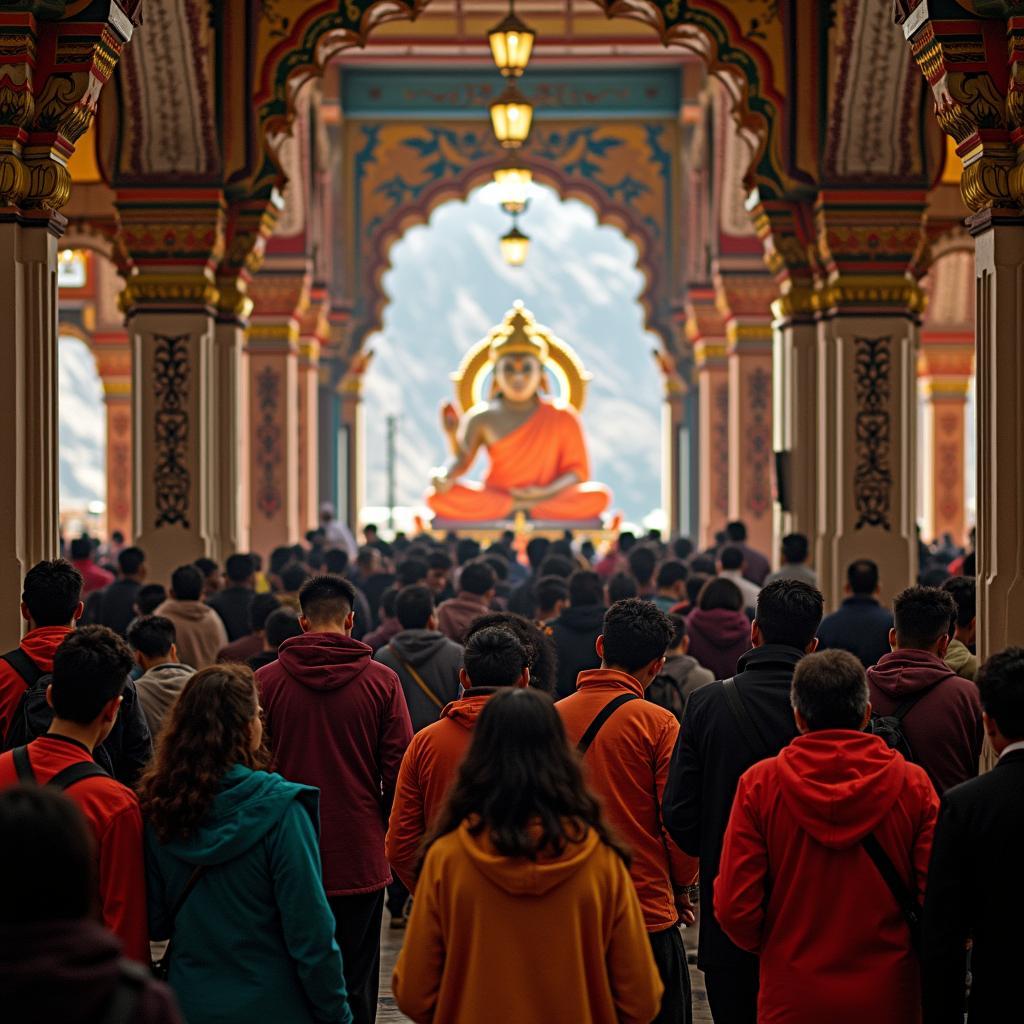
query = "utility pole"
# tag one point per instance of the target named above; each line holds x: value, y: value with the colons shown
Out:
x: 392, y: 424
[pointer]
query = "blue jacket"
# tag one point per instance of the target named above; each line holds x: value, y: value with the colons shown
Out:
x: 860, y: 626
x: 255, y: 938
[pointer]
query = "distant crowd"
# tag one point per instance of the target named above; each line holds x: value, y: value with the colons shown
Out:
x: 549, y: 764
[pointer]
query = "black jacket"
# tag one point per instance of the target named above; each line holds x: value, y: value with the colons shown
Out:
x: 975, y: 890
x: 234, y: 606
x: 860, y: 626
x: 128, y: 748
x: 575, y: 632
x: 710, y: 756
x: 113, y: 606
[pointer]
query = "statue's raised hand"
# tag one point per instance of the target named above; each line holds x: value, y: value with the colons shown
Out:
x: 449, y: 418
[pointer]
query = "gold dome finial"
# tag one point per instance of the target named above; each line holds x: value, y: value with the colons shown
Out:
x: 518, y: 335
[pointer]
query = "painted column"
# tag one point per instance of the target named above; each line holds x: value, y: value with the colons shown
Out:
x: 706, y: 330
x: 313, y: 332
x: 114, y: 365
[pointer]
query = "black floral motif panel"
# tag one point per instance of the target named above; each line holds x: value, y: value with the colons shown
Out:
x: 268, y: 441
x: 872, y: 484
x: 171, y: 382
x: 759, y: 441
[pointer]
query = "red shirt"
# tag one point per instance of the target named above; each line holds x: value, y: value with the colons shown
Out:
x: 40, y: 645
x: 112, y: 812
x: 94, y: 577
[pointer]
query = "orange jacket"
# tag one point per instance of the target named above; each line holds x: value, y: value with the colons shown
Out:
x: 481, y: 946
x: 627, y: 766
x: 427, y: 772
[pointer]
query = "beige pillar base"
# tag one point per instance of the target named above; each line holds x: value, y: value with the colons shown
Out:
x: 230, y: 425
x: 28, y: 396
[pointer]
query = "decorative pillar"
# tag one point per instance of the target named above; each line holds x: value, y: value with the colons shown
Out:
x: 351, y: 468
x: 677, y: 447
x: 706, y: 330
x: 314, y: 331
x: 113, y: 353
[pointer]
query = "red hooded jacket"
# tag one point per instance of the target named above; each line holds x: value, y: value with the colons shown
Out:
x: 796, y: 887
x: 337, y: 719
x: 40, y: 645
x: 427, y: 773
x: 944, y: 727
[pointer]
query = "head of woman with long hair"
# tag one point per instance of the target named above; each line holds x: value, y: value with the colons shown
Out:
x: 521, y: 784
x: 214, y: 725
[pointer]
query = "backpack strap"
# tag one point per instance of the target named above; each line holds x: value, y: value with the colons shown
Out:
x: 29, y: 671
x: 905, y: 899
x: 748, y: 727
x: 23, y: 766
x: 417, y: 678
x: 131, y: 980
x: 603, y: 715
x: 904, y: 706
x: 75, y: 773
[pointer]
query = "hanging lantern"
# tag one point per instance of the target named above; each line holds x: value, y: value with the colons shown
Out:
x: 511, y: 117
x: 511, y: 44
x: 513, y: 180
x: 514, y: 246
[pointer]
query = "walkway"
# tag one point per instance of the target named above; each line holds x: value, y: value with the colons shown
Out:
x: 391, y: 942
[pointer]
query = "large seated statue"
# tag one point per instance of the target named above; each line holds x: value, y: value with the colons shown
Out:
x: 538, y: 456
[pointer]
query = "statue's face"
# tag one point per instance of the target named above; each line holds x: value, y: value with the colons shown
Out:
x: 518, y: 376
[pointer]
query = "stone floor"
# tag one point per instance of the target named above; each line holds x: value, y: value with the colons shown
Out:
x: 391, y: 943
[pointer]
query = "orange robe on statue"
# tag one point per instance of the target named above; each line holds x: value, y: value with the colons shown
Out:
x: 548, y: 445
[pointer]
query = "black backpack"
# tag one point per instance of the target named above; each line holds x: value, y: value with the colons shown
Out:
x: 32, y: 716
x: 667, y: 693
x: 890, y: 727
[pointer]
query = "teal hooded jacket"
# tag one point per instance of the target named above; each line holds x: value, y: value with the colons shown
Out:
x: 254, y: 940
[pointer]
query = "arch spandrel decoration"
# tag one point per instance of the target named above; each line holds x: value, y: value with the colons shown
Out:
x: 624, y: 170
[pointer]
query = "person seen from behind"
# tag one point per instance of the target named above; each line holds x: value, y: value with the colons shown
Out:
x: 522, y: 851
x: 680, y: 675
x: 57, y: 962
x: 794, y: 553
x: 576, y: 630
x: 960, y: 656
x: 241, y: 650
x: 232, y: 848
x: 152, y: 640
x: 114, y: 605
x: 233, y: 603
x: 199, y: 629
x: 800, y: 884
x: 475, y: 593
x: 282, y: 624
x: 719, y: 628
x: 861, y: 624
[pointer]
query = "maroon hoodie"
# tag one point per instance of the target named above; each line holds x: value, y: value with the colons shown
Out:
x: 718, y: 639
x: 944, y: 727
x: 337, y: 719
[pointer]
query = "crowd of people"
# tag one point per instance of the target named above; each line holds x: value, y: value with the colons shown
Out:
x: 549, y: 765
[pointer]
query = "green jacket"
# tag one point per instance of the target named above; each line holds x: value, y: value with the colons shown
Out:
x: 254, y: 941
x: 961, y: 661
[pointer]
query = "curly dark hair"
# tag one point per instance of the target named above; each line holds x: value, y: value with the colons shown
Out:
x: 208, y: 731
x: 522, y: 784
x: 540, y: 647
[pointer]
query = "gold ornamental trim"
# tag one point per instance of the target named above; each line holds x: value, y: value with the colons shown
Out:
x: 709, y: 353
x: 747, y: 336
x: 168, y: 289
x: 796, y: 302
x: 952, y: 388
x: 870, y: 290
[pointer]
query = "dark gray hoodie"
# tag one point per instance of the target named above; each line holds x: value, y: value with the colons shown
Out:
x: 435, y: 659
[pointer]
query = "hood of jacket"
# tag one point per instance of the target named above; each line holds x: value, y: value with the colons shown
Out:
x: 584, y: 618
x: 418, y: 646
x: 904, y: 672
x: 57, y: 970
x: 720, y: 627
x: 522, y: 877
x: 679, y: 666
x: 171, y: 674
x: 189, y: 611
x: 41, y: 644
x: 839, y: 784
x: 324, y: 661
x: 248, y: 806
x: 467, y: 710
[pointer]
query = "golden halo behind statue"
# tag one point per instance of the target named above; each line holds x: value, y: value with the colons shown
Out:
x: 561, y: 361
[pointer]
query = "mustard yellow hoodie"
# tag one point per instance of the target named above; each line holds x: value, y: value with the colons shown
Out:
x: 501, y: 940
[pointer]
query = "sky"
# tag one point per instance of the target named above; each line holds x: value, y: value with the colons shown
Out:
x: 82, y: 425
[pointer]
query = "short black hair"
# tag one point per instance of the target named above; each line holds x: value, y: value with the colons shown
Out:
x: 131, y: 560
x: 239, y: 567
x: 336, y: 561
x: 703, y: 565
x: 537, y: 550
x: 1001, y: 688
x: 694, y: 585
x: 620, y: 587
x: 466, y: 550
x: 585, y: 589
x: 494, y: 656
x: 635, y: 633
x: 261, y: 607
x: 207, y: 566
x: 720, y: 593
x: 81, y: 547
x: 152, y: 635
x: 281, y: 625
x: 671, y: 573
x: 90, y: 668
x: 477, y: 578
x: 627, y: 538
x: 326, y: 598
x: 830, y: 690
x: 43, y: 827
x: 388, y: 602
x: 682, y: 548
x: 678, y: 630
x: 642, y: 562
x: 795, y: 548
x: 498, y: 564
x: 538, y: 644
x: 411, y: 572
x: 187, y: 583
x: 862, y: 575
x: 736, y: 531
x: 414, y: 606
x: 52, y: 592
x: 789, y: 612
x: 438, y: 560
x: 293, y: 575
x: 279, y: 558
x: 964, y: 591
x: 922, y: 615
x: 731, y: 557
x: 557, y: 565
x: 549, y: 590
x: 150, y: 597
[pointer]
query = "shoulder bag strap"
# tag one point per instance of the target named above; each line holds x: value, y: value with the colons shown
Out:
x: 23, y: 766
x: 417, y: 679
x: 193, y: 880
x: 902, y: 708
x: 751, y: 734
x: 905, y: 899
x: 75, y: 773
x: 23, y: 665
x: 603, y: 715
